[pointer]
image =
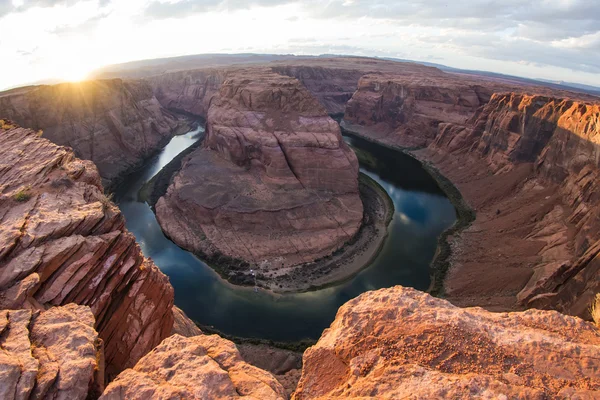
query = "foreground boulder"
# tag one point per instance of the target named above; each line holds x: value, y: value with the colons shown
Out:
x: 274, y: 183
x: 400, y: 343
x: 55, y: 354
x: 63, y: 241
x: 200, y: 367
x: 114, y: 123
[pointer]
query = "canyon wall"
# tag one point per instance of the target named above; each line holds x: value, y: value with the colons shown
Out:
x: 62, y: 241
x: 406, y: 111
x: 401, y: 343
x: 527, y: 164
x: 274, y: 182
x: 116, y: 124
x: 188, y: 92
x: 546, y: 149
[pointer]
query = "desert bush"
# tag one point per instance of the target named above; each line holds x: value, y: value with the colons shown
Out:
x: 22, y: 195
x: 595, y: 310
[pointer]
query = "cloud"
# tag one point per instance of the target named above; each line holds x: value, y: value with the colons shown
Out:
x: 184, y: 8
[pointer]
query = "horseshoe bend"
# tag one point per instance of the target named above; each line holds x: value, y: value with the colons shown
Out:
x: 329, y: 194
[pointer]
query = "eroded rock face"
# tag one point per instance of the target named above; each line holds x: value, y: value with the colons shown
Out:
x: 274, y: 181
x: 400, y: 343
x: 188, y: 91
x: 406, y: 111
x: 529, y: 164
x: 202, y: 367
x: 52, y: 354
x: 62, y: 241
x: 116, y: 124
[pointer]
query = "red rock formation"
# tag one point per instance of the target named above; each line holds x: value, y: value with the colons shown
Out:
x: 400, y: 343
x: 117, y: 124
x: 62, y: 241
x: 544, y: 151
x: 406, y: 111
x: 188, y: 91
x: 273, y: 182
x: 202, y: 367
x: 55, y: 354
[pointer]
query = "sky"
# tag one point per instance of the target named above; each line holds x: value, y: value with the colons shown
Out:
x: 67, y: 39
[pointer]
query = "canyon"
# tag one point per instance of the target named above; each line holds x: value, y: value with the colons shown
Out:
x: 114, y: 123
x: 273, y: 185
x: 524, y: 159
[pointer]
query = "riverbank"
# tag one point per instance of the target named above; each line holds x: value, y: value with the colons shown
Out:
x: 465, y: 215
x: 336, y: 268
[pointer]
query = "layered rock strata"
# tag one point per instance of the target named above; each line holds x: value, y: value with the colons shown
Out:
x: 273, y: 184
x: 400, y: 343
x: 201, y: 367
x: 63, y: 241
x: 54, y: 354
x: 116, y: 124
x: 532, y: 176
x: 406, y: 111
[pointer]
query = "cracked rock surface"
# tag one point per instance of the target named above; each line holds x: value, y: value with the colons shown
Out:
x: 200, y: 367
x: 55, y: 354
x: 62, y: 241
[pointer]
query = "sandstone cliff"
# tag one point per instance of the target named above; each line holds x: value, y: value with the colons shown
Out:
x: 62, y: 241
x: 406, y: 111
x: 538, y: 157
x: 400, y: 343
x: 274, y: 182
x: 188, y: 92
x: 114, y: 123
x: 55, y: 354
x: 201, y: 367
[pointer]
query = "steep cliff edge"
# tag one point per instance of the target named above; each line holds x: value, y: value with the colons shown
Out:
x: 400, y: 343
x: 62, y: 241
x: 529, y: 165
x: 116, y: 124
x: 54, y: 354
x: 274, y: 183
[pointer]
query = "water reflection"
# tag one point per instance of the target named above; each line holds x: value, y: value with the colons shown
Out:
x: 422, y: 213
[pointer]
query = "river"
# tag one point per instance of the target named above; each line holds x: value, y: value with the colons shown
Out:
x: 422, y: 213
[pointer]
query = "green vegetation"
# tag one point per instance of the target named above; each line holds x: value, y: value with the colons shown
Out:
x: 299, y: 346
x: 106, y: 200
x: 595, y: 310
x: 23, y: 195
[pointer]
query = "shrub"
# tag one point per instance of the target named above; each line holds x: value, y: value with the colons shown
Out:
x: 595, y: 310
x: 4, y: 124
x: 22, y: 195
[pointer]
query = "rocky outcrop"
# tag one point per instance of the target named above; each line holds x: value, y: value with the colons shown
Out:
x: 54, y: 354
x: 531, y: 175
x: 274, y: 183
x: 62, y: 241
x: 116, y: 124
x: 202, y: 367
x: 406, y: 111
x: 188, y: 92
x: 400, y: 343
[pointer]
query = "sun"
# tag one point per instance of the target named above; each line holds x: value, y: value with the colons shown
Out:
x: 74, y: 73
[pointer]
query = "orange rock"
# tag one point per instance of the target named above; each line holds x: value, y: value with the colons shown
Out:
x: 62, y: 241
x: 114, y: 123
x: 400, y: 343
x: 201, y: 367
x: 53, y: 354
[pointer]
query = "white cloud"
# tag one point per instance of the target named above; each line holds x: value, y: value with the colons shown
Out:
x: 555, y: 39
